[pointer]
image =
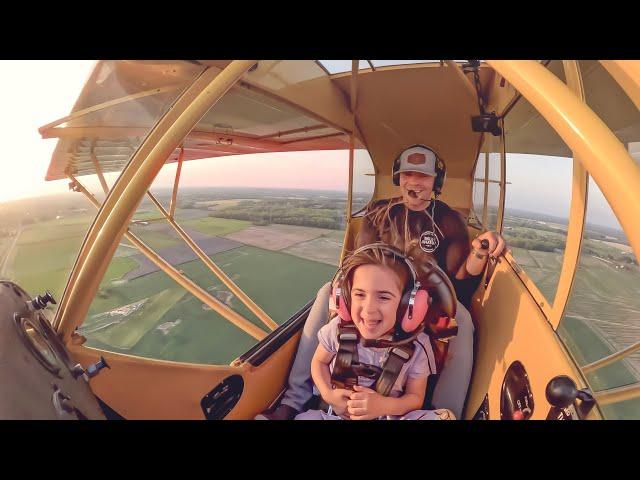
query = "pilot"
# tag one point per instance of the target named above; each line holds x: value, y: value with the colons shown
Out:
x: 425, y: 229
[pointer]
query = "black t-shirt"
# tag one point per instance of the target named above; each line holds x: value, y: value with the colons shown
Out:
x: 414, y: 233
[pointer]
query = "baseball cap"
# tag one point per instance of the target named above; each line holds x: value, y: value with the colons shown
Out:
x: 416, y: 159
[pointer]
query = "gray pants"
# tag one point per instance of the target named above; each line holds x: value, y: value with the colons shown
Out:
x: 440, y: 414
x: 452, y: 386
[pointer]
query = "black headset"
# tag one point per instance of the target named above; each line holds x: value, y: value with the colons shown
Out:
x: 441, y: 170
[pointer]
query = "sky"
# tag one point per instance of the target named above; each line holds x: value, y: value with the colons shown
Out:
x: 35, y: 93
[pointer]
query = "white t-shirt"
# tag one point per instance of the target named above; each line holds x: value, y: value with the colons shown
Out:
x: 420, y: 365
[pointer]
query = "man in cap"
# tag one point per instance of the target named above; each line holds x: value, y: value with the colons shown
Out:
x: 425, y: 229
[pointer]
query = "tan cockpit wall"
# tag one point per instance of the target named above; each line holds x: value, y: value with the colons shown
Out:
x: 511, y: 328
x: 141, y: 389
x: 428, y: 104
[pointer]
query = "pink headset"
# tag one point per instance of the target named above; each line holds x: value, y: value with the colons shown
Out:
x: 413, y: 305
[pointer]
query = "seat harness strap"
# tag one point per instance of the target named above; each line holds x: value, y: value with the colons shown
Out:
x: 398, y: 356
x: 343, y: 375
x: 347, y: 368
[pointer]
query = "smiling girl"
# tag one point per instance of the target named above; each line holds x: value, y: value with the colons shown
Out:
x: 374, y: 283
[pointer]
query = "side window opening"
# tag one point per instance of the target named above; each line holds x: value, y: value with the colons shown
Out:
x: 278, y: 243
x: 602, y: 316
x: 538, y: 196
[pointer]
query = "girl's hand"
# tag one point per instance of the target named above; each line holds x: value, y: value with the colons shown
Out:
x: 365, y: 404
x: 337, y: 398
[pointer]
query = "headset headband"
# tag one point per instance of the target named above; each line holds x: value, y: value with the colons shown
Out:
x: 393, y: 251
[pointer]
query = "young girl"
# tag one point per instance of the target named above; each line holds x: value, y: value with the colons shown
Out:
x: 374, y: 281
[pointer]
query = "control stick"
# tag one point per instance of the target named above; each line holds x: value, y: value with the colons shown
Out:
x: 561, y: 392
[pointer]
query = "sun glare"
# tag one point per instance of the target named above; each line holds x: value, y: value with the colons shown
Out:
x: 34, y: 93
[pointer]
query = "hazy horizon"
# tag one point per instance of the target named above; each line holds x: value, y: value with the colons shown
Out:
x: 536, y: 183
x: 100, y: 194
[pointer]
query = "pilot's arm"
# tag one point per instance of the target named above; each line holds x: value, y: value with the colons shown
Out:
x: 461, y: 265
x: 465, y: 265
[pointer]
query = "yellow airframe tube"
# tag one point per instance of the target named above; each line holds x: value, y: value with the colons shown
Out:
x: 215, y: 304
x: 354, y: 103
x: 113, y: 218
x: 251, y: 305
x: 470, y: 88
x: 616, y: 395
x: 577, y: 213
x: 107, y: 104
x: 603, y: 155
x: 103, y: 181
x: 627, y: 74
x: 614, y: 357
x: 174, y: 195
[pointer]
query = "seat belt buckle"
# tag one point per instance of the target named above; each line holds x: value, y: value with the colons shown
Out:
x: 400, y: 353
x: 348, y: 337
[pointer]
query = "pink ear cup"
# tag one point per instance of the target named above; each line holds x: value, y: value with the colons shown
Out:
x: 332, y: 303
x: 420, y: 307
x: 340, y: 307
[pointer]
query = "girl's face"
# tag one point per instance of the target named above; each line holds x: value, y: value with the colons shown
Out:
x: 375, y: 295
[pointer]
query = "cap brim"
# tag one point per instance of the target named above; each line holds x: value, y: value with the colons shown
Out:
x: 417, y: 171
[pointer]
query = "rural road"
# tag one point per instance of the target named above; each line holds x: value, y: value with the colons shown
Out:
x: 5, y: 260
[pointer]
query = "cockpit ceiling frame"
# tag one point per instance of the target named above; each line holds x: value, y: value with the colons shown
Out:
x: 321, y: 124
x: 372, y: 67
x: 322, y: 99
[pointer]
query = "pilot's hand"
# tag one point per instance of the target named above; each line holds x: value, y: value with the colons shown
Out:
x: 497, y: 244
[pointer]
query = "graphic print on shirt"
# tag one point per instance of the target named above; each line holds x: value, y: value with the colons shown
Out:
x: 429, y: 242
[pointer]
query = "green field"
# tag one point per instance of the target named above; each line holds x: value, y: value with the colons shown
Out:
x: 4, y: 243
x: 587, y: 346
x: 602, y: 317
x: 44, y: 264
x: 155, y: 240
x: 216, y: 226
x: 118, y: 267
x: 543, y: 268
x: 45, y: 253
x: 66, y: 227
x: 278, y: 282
x: 337, y: 235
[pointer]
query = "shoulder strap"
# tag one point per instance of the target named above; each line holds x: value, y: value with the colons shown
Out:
x: 343, y: 375
x: 398, y: 356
